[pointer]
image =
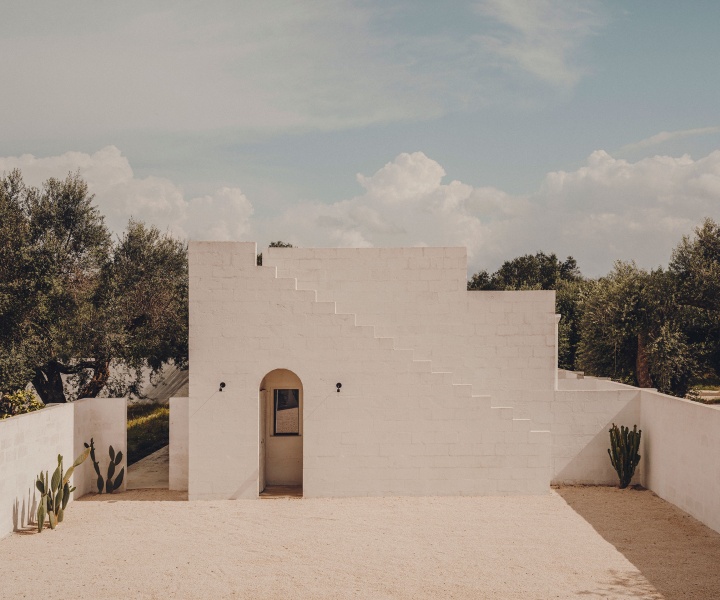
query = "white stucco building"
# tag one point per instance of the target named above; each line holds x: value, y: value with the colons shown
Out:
x: 442, y: 391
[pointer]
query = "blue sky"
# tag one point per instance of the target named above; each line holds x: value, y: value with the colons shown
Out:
x: 582, y: 128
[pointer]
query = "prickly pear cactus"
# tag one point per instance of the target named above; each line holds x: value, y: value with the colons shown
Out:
x: 55, y: 492
x: 623, y: 451
x: 96, y: 465
x: 115, y: 460
x: 107, y: 484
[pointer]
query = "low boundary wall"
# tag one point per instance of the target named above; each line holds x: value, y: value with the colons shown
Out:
x: 682, y: 454
x: 179, y: 438
x: 581, y: 421
x: 104, y: 420
x: 679, y: 448
x: 30, y: 443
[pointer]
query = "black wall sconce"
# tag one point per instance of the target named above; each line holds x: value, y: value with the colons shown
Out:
x: 222, y: 385
x: 338, y: 386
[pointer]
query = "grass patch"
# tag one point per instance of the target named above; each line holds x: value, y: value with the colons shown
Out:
x: 708, y: 381
x: 148, y: 430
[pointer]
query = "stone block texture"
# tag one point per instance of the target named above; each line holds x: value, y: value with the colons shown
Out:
x: 438, y: 383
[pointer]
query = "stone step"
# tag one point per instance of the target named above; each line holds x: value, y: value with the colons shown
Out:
x: 353, y: 325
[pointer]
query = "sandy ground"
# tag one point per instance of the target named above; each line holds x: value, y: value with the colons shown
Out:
x: 601, y: 543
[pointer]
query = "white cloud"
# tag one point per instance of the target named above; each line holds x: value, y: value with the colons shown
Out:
x: 263, y: 66
x: 268, y: 66
x: 222, y: 215
x: 607, y: 209
x: 404, y: 203
x: 540, y: 37
x: 666, y: 136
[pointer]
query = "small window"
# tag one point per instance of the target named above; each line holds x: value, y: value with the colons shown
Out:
x: 287, y: 412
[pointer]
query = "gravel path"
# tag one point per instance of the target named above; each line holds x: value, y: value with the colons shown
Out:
x: 152, y: 544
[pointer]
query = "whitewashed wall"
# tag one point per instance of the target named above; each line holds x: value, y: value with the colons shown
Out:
x: 30, y: 443
x: 682, y: 454
x: 502, y: 343
x: 580, y: 431
x: 104, y: 420
x: 402, y: 423
x: 178, y: 450
x: 444, y: 391
x: 679, y: 448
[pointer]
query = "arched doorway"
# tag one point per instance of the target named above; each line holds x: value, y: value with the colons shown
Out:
x: 281, y: 431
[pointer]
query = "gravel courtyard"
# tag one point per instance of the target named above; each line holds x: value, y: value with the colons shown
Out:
x: 573, y: 542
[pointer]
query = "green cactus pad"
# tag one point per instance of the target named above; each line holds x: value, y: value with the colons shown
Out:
x: 119, y: 479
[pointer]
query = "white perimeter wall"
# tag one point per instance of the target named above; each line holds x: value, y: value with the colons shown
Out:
x: 682, y: 454
x: 104, y: 420
x: 178, y: 450
x: 581, y: 424
x: 679, y: 448
x: 30, y: 443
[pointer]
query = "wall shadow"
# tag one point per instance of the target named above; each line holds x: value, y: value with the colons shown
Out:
x: 591, y: 465
x: 138, y: 495
x: 676, y: 553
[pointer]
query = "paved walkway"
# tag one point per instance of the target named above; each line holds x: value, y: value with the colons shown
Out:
x: 152, y: 472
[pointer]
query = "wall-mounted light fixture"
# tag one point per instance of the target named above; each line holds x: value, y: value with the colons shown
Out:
x: 338, y: 386
x: 222, y: 385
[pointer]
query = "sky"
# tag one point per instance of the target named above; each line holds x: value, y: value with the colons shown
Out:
x: 581, y: 127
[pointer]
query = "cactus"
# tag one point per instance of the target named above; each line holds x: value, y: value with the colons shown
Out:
x: 623, y: 451
x: 115, y: 460
x: 107, y: 484
x: 55, y: 492
x: 100, y: 481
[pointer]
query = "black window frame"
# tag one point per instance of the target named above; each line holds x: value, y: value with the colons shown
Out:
x: 275, y: 411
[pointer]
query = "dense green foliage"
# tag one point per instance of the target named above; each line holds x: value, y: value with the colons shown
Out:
x: 538, y: 271
x: 652, y: 329
x: 18, y: 403
x: 74, y: 304
x: 542, y: 271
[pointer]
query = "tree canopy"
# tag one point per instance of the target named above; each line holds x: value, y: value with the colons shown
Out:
x: 542, y: 271
x: 74, y: 304
x: 537, y: 271
x: 657, y: 328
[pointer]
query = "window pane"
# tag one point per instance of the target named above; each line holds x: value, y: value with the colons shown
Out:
x: 287, y: 412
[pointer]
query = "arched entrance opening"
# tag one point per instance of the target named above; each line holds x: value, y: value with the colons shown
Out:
x: 281, y: 431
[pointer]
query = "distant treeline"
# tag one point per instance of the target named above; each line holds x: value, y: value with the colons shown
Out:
x: 83, y: 314
x: 657, y: 328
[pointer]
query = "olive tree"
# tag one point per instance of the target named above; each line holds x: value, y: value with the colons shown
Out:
x: 73, y: 302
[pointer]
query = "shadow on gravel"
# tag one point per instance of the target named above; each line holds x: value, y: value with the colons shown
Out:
x: 675, y: 552
x: 141, y: 495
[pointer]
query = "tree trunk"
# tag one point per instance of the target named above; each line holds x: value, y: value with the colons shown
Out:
x: 48, y: 384
x: 642, y: 369
x: 101, y: 374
